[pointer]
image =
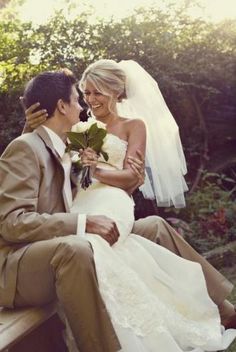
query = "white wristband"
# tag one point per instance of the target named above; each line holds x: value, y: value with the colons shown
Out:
x: 81, y: 225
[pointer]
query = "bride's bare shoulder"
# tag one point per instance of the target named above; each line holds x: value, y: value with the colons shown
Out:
x: 134, y: 128
x: 131, y: 123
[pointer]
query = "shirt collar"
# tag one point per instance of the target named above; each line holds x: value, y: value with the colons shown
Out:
x: 57, y: 142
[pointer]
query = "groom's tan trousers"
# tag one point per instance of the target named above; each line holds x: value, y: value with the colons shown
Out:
x: 64, y: 267
x: 158, y: 230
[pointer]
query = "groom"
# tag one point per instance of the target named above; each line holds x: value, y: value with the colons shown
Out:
x: 43, y: 254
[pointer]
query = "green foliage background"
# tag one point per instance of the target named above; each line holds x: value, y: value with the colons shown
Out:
x: 193, y: 61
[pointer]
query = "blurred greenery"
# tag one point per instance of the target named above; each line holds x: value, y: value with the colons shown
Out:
x: 192, y: 60
x: 209, y: 219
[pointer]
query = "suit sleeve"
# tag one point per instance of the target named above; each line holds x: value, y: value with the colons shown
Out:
x: 19, y: 188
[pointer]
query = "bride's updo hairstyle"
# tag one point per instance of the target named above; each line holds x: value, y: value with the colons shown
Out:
x: 107, y: 77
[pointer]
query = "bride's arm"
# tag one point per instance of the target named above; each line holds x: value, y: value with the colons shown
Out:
x: 138, y: 166
x: 127, y: 178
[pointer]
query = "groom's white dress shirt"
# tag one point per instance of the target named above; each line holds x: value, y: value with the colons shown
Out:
x: 59, y: 146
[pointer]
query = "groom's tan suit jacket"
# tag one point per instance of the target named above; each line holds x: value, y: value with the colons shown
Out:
x: 33, y: 206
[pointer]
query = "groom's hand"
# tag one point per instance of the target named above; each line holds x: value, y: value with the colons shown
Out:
x: 103, y: 226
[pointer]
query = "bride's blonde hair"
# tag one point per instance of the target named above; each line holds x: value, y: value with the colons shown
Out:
x: 107, y: 77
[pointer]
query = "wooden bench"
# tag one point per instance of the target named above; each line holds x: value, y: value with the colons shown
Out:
x: 35, y: 329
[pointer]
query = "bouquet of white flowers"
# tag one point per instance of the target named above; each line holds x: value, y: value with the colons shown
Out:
x: 87, y: 134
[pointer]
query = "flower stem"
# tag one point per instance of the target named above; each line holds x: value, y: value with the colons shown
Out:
x: 86, y: 180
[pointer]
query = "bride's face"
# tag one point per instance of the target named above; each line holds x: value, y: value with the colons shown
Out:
x: 101, y: 105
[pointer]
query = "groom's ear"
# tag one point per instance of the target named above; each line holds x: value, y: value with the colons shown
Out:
x: 61, y: 106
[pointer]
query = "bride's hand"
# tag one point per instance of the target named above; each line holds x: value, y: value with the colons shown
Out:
x: 35, y: 118
x: 89, y: 158
x: 138, y: 167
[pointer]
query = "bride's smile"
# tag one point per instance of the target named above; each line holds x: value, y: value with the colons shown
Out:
x: 103, y: 106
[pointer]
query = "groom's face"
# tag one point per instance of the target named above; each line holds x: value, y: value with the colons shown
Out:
x: 73, y: 108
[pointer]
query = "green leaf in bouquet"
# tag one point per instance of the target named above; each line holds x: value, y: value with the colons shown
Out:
x: 97, y: 140
x: 99, y: 135
x: 78, y: 140
x: 105, y: 155
x: 93, y: 130
x: 97, y: 145
x: 70, y: 147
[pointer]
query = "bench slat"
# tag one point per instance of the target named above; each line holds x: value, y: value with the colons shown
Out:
x: 16, y: 324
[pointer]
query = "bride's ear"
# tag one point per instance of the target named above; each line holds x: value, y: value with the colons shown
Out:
x: 61, y: 106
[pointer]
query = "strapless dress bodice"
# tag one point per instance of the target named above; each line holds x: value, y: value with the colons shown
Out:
x: 116, y: 149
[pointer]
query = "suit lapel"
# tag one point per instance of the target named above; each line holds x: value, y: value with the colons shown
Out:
x: 48, y: 143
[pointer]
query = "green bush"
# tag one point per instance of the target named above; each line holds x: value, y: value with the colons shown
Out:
x: 209, y: 219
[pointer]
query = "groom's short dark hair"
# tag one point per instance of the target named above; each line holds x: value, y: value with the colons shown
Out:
x: 47, y: 88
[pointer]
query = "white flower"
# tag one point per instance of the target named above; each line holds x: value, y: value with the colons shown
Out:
x: 81, y: 127
x: 74, y: 156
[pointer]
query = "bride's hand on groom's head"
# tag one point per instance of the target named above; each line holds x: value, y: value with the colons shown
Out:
x: 35, y: 117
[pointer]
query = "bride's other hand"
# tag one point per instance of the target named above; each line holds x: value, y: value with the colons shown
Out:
x: 103, y: 226
x: 138, y: 166
x: 34, y: 118
x: 89, y: 158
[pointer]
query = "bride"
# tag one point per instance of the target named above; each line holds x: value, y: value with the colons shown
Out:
x: 156, y: 300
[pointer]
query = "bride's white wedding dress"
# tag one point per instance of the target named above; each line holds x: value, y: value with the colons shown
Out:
x: 157, y: 301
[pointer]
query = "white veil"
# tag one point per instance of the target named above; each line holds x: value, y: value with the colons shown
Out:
x: 165, y: 161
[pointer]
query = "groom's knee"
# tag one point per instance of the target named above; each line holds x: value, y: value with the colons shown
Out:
x: 73, y: 251
x: 149, y: 227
